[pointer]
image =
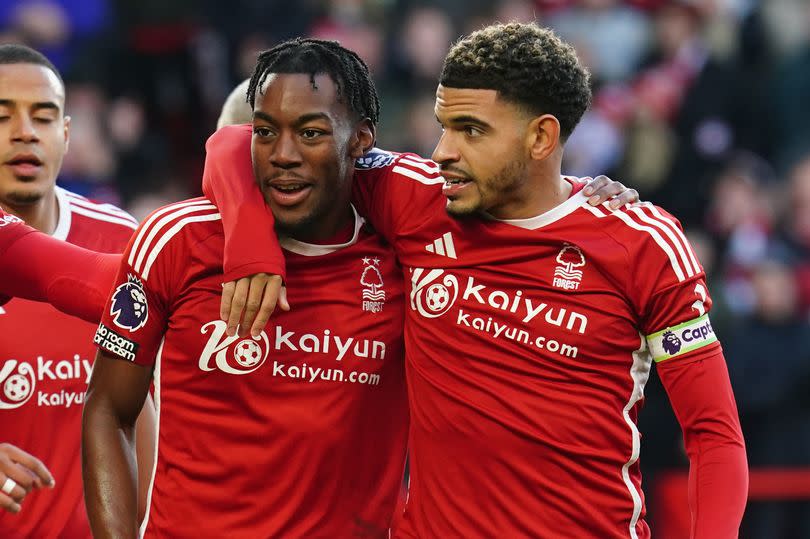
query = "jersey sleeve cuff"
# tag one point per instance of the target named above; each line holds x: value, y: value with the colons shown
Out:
x: 245, y: 270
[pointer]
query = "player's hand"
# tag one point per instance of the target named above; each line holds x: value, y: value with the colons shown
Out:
x: 19, y: 474
x: 602, y: 189
x: 249, y: 302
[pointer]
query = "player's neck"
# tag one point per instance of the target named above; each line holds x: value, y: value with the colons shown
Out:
x: 332, y: 231
x: 539, y: 195
x: 42, y: 215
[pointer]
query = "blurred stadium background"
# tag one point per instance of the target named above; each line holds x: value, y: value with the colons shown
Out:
x: 702, y: 105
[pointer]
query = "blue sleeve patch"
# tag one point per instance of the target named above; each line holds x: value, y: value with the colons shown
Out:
x: 374, y: 158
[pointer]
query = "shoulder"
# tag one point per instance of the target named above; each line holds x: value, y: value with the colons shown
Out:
x: 648, y: 234
x: 173, y: 228
x: 102, y: 214
x: 93, y: 225
x: 407, y: 166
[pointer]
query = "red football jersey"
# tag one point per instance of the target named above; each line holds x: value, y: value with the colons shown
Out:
x: 43, y: 380
x: 299, y: 433
x: 528, y: 346
x: 526, y: 422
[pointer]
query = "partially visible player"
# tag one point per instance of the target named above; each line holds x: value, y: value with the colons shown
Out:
x: 300, y: 431
x: 236, y: 109
x: 45, y: 355
x: 533, y: 317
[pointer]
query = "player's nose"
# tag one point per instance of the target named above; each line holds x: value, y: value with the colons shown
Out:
x: 445, y: 151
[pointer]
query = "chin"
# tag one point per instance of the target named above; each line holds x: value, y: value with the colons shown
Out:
x: 23, y: 197
x: 294, y: 228
x: 458, y: 208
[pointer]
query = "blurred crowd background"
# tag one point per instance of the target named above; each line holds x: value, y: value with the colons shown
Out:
x: 701, y: 105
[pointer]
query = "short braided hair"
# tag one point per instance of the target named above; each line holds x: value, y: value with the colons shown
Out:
x: 317, y: 56
x: 527, y: 65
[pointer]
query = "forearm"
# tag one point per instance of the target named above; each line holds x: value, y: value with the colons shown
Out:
x: 718, y: 488
x: 145, y: 444
x: 701, y: 396
x: 251, y: 245
x: 109, y: 471
x: 72, y: 279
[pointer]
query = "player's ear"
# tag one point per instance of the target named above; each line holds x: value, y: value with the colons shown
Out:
x: 543, y: 136
x: 67, y: 132
x: 363, y: 139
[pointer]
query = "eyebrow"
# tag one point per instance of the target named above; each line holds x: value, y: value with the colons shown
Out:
x: 311, y: 117
x: 466, y: 119
x: 46, y: 105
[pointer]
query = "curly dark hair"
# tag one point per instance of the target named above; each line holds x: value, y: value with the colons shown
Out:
x: 318, y: 56
x: 527, y: 65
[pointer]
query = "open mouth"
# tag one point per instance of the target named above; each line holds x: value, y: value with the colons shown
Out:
x: 289, y: 188
x: 453, y: 185
x: 288, y: 192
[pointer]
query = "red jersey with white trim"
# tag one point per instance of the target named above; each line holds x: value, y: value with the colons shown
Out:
x: 529, y: 344
x: 299, y: 433
x: 43, y: 378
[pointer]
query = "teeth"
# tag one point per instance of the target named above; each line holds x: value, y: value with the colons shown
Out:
x: 289, y: 187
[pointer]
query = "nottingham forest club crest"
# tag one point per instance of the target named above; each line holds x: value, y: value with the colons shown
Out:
x: 128, y: 305
x: 372, y: 281
x: 567, y: 275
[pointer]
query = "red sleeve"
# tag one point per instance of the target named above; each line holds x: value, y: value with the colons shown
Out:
x: 396, y: 191
x: 147, y: 278
x: 74, y: 280
x: 700, y: 392
x: 228, y: 182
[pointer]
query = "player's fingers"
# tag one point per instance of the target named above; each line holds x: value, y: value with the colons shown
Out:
x: 628, y: 196
x: 271, y: 294
x: 8, y: 504
x: 26, y: 462
x: 12, y: 489
x: 257, y: 296
x: 20, y: 475
x: 594, y: 185
x: 602, y: 189
x: 283, y: 303
x: 237, y: 305
x: 225, y: 304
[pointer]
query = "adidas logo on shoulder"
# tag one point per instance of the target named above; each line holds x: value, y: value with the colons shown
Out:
x: 443, y: 246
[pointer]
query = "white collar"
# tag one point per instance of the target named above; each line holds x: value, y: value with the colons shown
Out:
x: 311, y: 249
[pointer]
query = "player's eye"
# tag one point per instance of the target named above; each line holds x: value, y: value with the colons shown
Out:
x: 262, y: 131
x: 311, y: 133
x: 472, y: 131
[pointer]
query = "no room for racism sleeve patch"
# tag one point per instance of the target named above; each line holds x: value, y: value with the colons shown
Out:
x: 678, y: 340
x: 115, y: 343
